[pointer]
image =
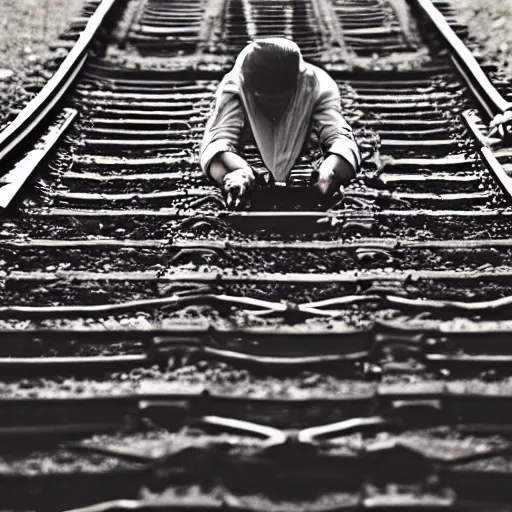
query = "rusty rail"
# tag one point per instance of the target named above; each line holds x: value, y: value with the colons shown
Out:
x: 38, y: 110
x: 486, y: 94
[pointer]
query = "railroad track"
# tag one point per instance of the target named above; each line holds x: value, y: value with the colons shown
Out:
x: 150, y: 338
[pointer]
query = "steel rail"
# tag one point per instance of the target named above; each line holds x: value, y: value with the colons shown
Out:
x: 39, y: 108
x: 167, y: 404
x: 102, y: 198
x: 38, y: 366
x: 271, y: 362
x: 235, y: 277
x: 345, y: 348
x: 359, y: 502
x: 202, y: 296
x: 176, y: 301
x: 11, y: 182
x: 279, y: 349
x: 486, y: 94
x: 492, y: 164
x: 490, y: 100
x: 278, y: 218
x: 260, y: 245
x: 30, y: 433
x: 195, y: 336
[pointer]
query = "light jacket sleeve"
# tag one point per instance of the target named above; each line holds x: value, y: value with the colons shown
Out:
x: 333, y: 132
x: 224, y: 128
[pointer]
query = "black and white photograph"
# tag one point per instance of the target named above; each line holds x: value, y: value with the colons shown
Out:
x: 255, y: 255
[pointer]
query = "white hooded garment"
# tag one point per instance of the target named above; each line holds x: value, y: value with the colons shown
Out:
x: 314, y: 105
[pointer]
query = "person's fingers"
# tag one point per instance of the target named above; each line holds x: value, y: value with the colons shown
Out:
x: 230, y: 196
x: 313, y: 178
x: 323, y: 184
x: 241, y: 194
x: 323, y: 180
x: 241, y: 203
x: 236, y: 187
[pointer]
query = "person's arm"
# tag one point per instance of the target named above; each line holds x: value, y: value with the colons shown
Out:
x: 221, y: 139
x: 234, y: 176
x: 333, y: 173
x: 224, y: 163
x: 218, y: 155
x: 335, y: 135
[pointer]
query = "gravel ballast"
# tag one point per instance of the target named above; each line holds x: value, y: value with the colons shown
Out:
x: 27, y: 28
x: 489, y: 24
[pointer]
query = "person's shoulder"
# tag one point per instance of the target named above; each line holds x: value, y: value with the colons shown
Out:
x: 320, y: 74
x: 230, y: 84
x: 325, y: 84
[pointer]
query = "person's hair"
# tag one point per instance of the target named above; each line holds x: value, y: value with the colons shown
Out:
x: 271, y: 65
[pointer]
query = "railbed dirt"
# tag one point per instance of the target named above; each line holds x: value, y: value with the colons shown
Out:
x: 27, y: 28
x: 223, y: 379
x: 442, y: 444
x: 489, y: 24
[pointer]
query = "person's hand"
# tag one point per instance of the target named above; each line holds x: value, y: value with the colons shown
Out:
x: 339, y: 197
x: 327, y: 181
x: 333, y: 173
x: 237, y: 186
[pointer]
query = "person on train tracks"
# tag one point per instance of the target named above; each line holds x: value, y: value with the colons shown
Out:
x: 273, y: 94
